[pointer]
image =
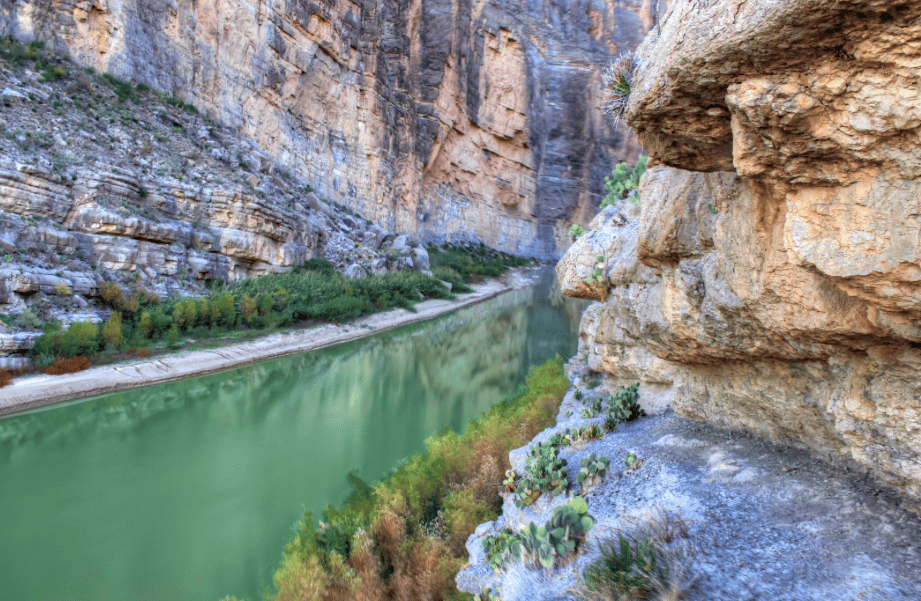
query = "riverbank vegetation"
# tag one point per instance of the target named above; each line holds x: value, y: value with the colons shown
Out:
x: 312, y: 293
x: 404, y: 537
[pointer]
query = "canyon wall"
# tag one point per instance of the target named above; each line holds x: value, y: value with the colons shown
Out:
x: 457, y: 119
x: 771, y: 279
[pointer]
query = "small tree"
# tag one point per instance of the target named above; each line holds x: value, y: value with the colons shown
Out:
x: 248, y: 308
x: 223, y: 311
x: 172, y: 337
x: 204, y: 311
x: 112, y: 330
x: 185, y: 314
x: 145, y: 325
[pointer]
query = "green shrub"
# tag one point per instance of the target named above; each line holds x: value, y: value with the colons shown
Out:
x: 204, y: 311
x: 81, y: 338
x: 576, y: 232
x: 223, y: 311
x: 53, y: 73
x: 463, y: 512
x: 446, y: 274
x: 48, y: 345
x: 17, y: 53
x: 624, y: 179
x: 474, y: 262
x: 319, y: 265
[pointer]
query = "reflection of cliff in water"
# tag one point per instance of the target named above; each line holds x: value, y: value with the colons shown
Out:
x: 138, y: 487
x: 427, y: 369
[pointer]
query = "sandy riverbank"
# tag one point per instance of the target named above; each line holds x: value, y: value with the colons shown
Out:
x: 40, y: 390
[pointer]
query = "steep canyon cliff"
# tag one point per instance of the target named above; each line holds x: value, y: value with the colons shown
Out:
x: 770, y: 279
x: 457, y: 119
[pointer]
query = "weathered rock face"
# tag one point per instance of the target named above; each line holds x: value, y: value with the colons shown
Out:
x: 782, y: 297
x: 448, y: 119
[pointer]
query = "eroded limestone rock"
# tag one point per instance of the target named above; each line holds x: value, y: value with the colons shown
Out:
x: 446, y: 119
x: 777, y: 288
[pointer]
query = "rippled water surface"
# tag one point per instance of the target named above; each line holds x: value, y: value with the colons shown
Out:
x: 189, y: 490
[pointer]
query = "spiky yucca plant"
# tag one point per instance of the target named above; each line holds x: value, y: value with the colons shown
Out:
x: 618, y: 78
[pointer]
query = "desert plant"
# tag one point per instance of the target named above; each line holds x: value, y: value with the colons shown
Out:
x: 561, y: 439
x: 510, y: 478
x: 592, y: 432
x: 578, y: 395
x: 624, y: 406
x: 545, y: 472
x: 592, y: 383
x: 535, y: 544
x: 623, y: 181
x: 568, y: 526
x: 501, y: 548
x: 576, y: 232
x: 627, y: 568
x: 618, y: 80
x: 592, y: 468
x: 593, y: 409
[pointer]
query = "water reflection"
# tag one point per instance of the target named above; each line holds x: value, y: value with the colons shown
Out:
x: 188, y: 490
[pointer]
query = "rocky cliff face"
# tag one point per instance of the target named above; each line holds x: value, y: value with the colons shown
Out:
x: 771, y: 278
x: 448, y: 118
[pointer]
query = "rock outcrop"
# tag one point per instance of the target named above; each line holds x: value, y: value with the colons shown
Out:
x: 738, y: 518
x: 770, y: 280
x: 448, y: 119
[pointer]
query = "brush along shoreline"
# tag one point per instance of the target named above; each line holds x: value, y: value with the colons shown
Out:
x: 42, y: 390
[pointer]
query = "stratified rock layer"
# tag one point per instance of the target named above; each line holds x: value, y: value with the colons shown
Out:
x: 445, y: 118
x: 779, y: 289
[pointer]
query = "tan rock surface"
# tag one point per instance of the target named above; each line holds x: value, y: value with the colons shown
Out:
x: 441, y: 118
x: 785, y: 288
x: 739, y: 335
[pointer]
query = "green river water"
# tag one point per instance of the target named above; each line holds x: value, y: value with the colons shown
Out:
x: 190, y: 490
